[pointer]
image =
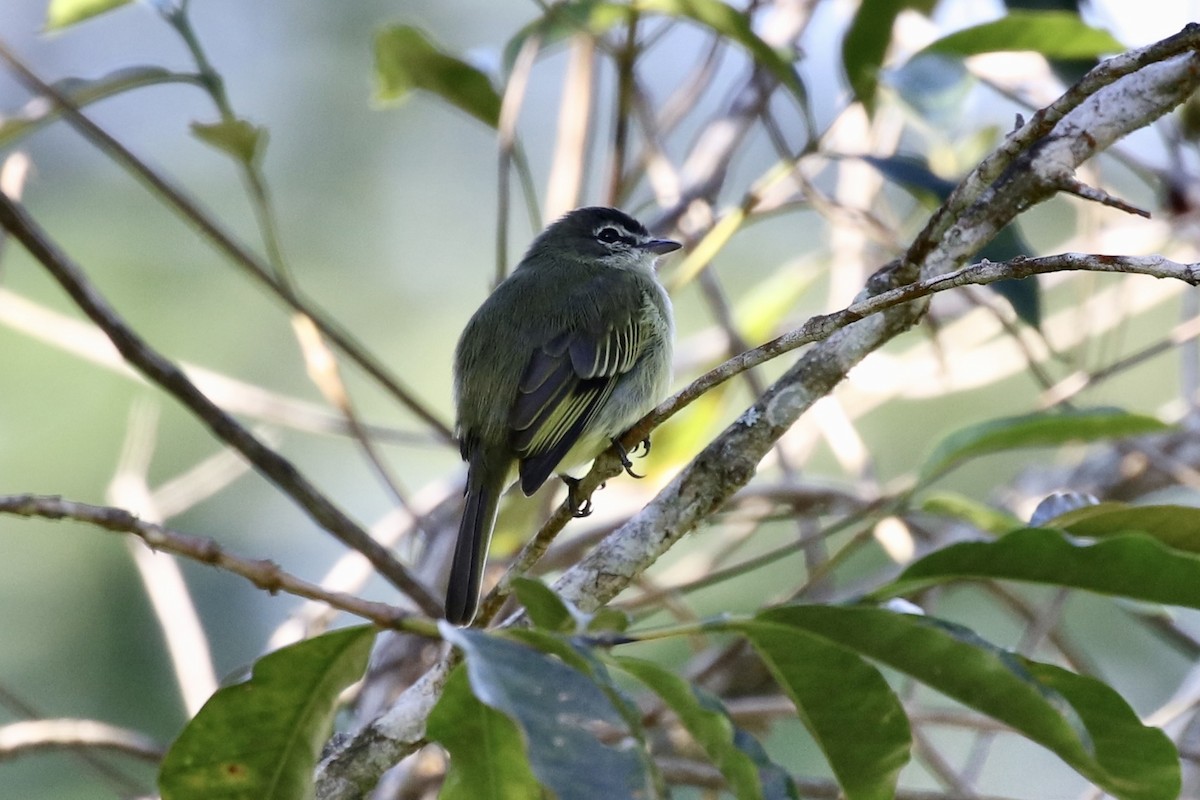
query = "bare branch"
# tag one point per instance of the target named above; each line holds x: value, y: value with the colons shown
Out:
x: 262, y: 573
x: 166, y: 374
x: 18, y: 738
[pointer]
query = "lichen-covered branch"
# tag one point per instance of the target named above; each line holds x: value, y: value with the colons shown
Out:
x: 1138, y: 91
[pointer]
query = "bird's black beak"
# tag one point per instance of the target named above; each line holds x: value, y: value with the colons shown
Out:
x: 660, y: 246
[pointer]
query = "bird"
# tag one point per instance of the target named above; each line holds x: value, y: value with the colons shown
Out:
x: 566, y: 353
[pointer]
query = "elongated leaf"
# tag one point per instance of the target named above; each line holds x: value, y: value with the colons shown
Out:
x: 1177, y: 527
x: 565, y: 717
x: 61, y: 13
x: 1068, y: 70
x: 706, y: 720
x: 577, y: 653
x: 406, y: 60
x: 982, y: 517
x: 487, y: 755
x: 1054, y: 34
x: 81, y: 92
x: 957, y: 663
x: 1036, y: 430
x: 867, y: 41
x: 1118, y: 736
x: 259, y: 740
x: 846, y: 704
x: 1130, y: 565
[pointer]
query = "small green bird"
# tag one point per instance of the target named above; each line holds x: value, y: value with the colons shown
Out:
x: 568, y: 352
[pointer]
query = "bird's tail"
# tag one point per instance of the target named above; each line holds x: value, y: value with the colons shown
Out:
x: 485, y: 483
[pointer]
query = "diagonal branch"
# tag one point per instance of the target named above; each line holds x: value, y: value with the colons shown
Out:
x: 274, y: 467
x: 222, y: 240
x: 1128, y: 92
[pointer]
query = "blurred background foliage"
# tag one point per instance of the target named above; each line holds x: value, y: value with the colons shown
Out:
x: 387, y: 215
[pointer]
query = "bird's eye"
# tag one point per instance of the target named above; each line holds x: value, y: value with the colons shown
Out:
x: 609, y: 235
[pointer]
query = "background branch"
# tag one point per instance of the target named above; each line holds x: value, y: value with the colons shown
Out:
x: 262, y: 573
x: 163, y: 372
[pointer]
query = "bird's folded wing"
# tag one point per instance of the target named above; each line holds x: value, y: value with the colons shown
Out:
x: 567, y: 380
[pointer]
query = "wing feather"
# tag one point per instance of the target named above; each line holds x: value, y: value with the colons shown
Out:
x: 565, y: 383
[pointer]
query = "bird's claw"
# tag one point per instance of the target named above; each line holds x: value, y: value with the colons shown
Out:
x: 579, y: 508
x: 626, y: 464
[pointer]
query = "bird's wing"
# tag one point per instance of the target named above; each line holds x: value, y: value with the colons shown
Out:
x: 567, y: 380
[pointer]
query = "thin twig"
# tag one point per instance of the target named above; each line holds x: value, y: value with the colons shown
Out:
x: 823, y: 326
x: 262, y: 573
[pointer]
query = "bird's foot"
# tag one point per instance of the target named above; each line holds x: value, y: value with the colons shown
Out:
x: 580, y: 507
x: 624, y: 454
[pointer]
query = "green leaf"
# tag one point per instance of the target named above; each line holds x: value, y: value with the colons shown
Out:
x: 935, y: 87
x: 406, y: 60
x: 62, y: 13
x: 487, y: 755
x: 1040, y: 706
x: 241, y: 139
x: 1143, y: 753
x: 1129, y: 565
x: 576, y: 652
x: 576, y: 738
x: 860, y: 725
x: 259, y: 740
x: 1042, y: 429
x: 81, y: 92
x: 706, y: 720
x: 867, y: 41
x: 545, y: 608
x: 978, y: 515
x: 1177, y: 527
x: 1054, y: 34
